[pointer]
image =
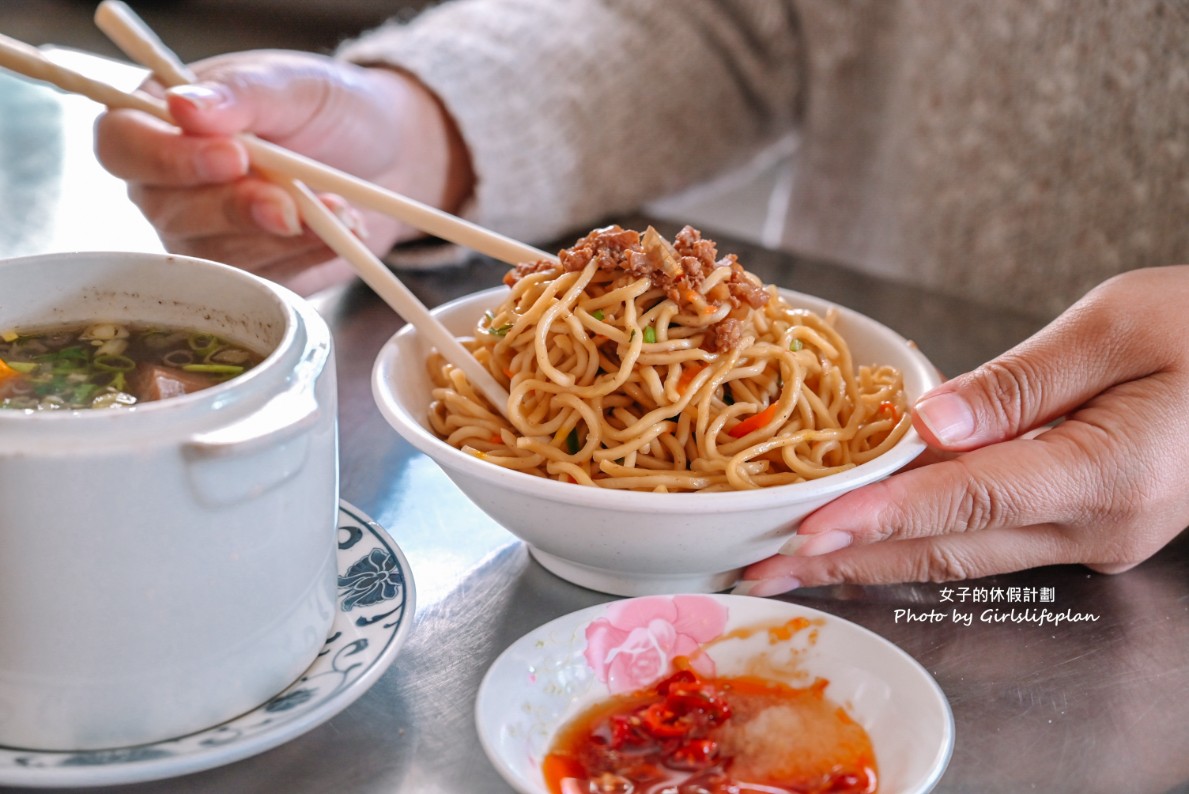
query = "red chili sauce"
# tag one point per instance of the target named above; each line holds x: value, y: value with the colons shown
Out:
x: 686, y: 735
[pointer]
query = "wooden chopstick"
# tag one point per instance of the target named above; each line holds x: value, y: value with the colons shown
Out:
x: 130, y: 33
x: 19, y: 57
x: 24, y: 59
x: 139, y: 42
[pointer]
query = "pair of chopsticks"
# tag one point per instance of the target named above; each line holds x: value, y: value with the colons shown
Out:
x: 294, y: 173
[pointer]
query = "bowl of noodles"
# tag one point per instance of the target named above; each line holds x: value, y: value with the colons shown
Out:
x: 670, y: 419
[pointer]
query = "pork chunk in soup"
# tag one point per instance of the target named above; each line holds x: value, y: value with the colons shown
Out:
x: 105, y: 365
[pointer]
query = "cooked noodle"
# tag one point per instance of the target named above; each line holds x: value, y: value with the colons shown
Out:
x: 646, y: 365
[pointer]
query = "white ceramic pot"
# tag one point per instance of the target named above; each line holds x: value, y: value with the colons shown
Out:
x: 166, y: 567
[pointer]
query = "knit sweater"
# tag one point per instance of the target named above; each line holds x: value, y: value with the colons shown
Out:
x: 1014, y: 152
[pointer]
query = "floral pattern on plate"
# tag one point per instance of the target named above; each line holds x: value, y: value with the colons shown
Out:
x: 376, y: 603
x: 635, y: 641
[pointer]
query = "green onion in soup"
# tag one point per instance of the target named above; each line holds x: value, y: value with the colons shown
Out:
x: 106, y: 365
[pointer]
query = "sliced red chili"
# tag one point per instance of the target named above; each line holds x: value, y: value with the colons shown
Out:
x: 701, y: 701
x: 661, y: 721
x: 694, y: 754
x: 624, y: 732
x: 680, y: 677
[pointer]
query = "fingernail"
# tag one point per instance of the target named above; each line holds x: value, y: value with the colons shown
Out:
x: 824, y: 543
x: 763, y: 588
x: 948, y: 416
x: 347, y: 215
x: 791, y: 545
x: 222, y: 161
x: 201, y: 97
x: 277, y: 217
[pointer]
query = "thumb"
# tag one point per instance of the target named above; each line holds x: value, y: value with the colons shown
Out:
x: 1045, y: 377
x: 274, y: 97
x: 329, y: 110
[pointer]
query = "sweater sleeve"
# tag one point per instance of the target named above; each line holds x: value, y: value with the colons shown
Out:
x: 575, y: 110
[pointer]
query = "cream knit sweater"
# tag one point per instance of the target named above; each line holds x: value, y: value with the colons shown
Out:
x: 1016, y: 152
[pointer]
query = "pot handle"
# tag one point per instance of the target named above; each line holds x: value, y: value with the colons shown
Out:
x: 279, y: 421
x: 261, y: 450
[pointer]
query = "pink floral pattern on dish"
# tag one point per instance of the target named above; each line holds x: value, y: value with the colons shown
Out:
x: 635, y: 642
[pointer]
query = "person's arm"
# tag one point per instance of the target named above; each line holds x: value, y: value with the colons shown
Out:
x: 575, y: 110
x: 534, y: 116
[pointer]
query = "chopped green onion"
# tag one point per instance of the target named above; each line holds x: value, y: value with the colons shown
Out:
x: 203, y: 343
x: 597, y: 314
x: 494, y: 330
x: 178, y: 358
x: 112, y: 363
x: 69, y: 355
x: 214, y: 369
x: 649, y: 335
x: 84, y: 392
x: 23, y: 367
x: 572, y: 442
x: 795, y: 345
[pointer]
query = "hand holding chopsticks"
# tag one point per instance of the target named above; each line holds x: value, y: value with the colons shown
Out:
x: 292, y: 168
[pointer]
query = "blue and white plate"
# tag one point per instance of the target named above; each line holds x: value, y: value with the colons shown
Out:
x: 376, y: 602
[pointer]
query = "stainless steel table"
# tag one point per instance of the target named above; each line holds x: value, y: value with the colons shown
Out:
x: 1094, y: 706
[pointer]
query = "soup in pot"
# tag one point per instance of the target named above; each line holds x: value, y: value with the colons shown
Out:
x: 112, y: 365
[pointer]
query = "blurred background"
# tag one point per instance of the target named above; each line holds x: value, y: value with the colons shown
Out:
x: 194, y: 29
x: 197, y: 28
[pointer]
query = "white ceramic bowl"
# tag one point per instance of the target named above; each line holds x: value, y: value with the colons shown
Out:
x: 554, y: 673
x: 166, y: 567
x: 628, y: 543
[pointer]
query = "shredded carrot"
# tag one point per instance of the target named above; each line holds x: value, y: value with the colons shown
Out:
x: 753, y: 422
x: 508, y: 371
x: 888, y: 410
x: 496, y: 438
x: 688, y: 373
x: 6, y: 371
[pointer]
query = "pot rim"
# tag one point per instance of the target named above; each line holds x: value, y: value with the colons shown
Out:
x: 302, y: 330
